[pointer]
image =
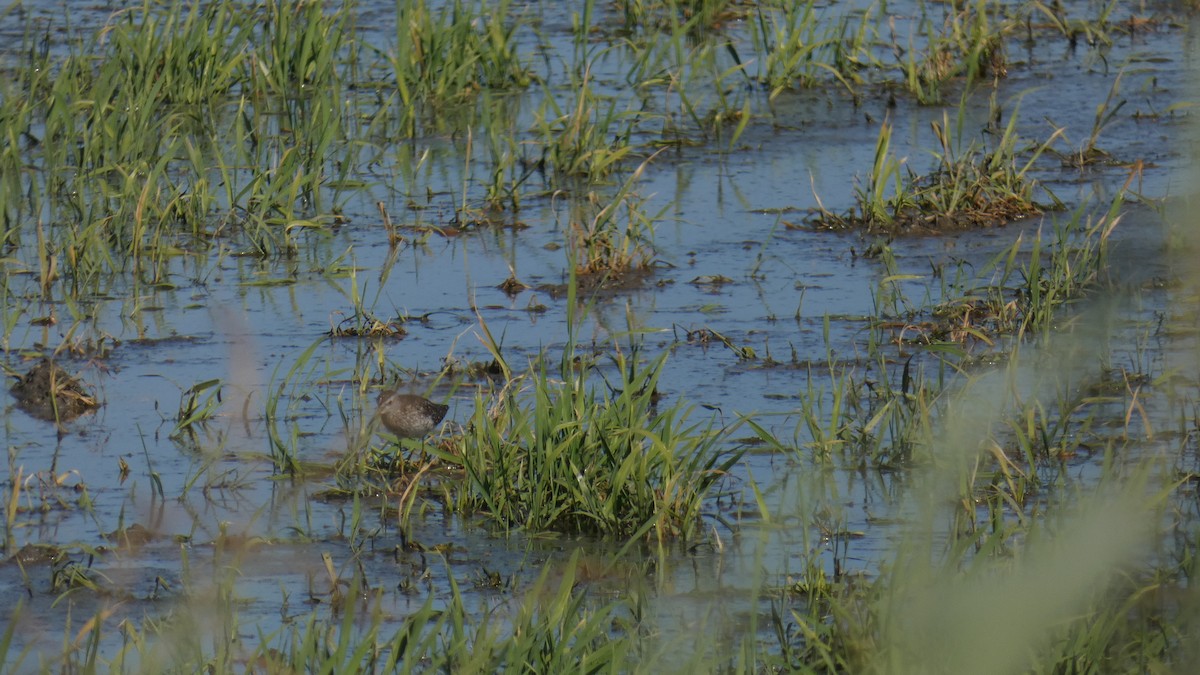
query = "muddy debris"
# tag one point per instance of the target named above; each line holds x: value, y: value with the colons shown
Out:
x: 133, y: 537
x: 36, y: 554
x: 512, y: 286
x: 48, y: 392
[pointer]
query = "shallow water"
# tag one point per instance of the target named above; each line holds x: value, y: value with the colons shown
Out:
x: 727, y: 212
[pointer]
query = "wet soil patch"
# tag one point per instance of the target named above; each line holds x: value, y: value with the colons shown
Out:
x: 50, y: 393
x: 35, y: 554
x: 603, y: 285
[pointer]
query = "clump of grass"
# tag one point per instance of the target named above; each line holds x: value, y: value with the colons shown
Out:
x: 197, y: 405
x: 119, y: 147
x: 1002, y: 447
x: 876, y: 414
x: 970, y: 187
x: 300, y: 50
x: 1094, y: 31
x: 368, y: 325
x: 867, y: 415
x: 1029, y: 283
x: 588, y: 137
x: 187, y: 58
x: 447, y: 54
x: 799, y: 49
x: 1106, y: 113
x: 362, y: 320
x: 966, y: 46
x: 616, y: 240
x: 690, y: 17
x: 1072, y: 606
x: 565, y: 456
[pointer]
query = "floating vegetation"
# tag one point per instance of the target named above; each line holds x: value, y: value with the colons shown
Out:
x: 512, y: 286
x: 368, y: 326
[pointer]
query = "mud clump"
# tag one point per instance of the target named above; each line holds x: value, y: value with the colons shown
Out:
x: 35, y: 554
x: 51, y: 393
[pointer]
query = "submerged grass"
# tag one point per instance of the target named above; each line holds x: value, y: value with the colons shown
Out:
x: 176, y: 128
x: 552, y: 625
x: 187, y: 127
x: 881, y: 411
x: 1031, y: 533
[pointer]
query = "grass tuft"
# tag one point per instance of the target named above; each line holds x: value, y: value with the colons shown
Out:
x: 560, y: 455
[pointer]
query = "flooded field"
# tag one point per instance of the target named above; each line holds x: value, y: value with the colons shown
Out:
x: 775, y: 336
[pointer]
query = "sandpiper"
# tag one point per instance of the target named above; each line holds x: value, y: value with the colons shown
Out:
x: 408, y: 415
